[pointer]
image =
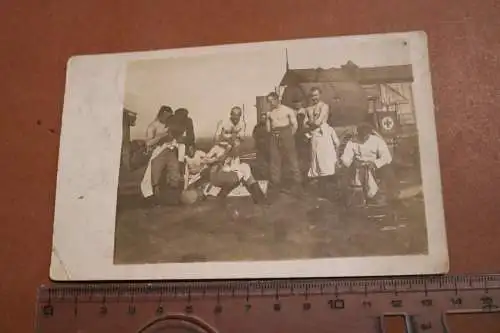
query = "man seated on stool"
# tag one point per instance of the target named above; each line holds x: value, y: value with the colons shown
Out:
x: 370, y: 157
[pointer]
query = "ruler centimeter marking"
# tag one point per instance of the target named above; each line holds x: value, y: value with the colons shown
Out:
x: 423, y: 302
x: 251, y: 288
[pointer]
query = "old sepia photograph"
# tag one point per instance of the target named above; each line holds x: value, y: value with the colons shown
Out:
x: 247, y: 157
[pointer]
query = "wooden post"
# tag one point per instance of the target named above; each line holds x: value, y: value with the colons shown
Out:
x: 127, y: 121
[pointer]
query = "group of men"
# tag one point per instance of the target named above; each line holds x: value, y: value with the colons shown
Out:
x: 177, y: 168
x: 302, y: 141
x: 166, y: 140
x: 297, y: 142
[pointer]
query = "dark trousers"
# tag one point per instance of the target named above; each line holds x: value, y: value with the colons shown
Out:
x: 385, y: 175
x: 126, y: 156
x: 304, y: 156
x: 262, y: 164
x: 388, y: 181
x: 282, y: 152
x: 166, y: 166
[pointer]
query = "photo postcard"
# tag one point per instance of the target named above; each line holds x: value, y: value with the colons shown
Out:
x: 283, y: 159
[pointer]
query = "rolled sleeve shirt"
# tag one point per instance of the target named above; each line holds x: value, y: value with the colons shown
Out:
x: 372, y: 150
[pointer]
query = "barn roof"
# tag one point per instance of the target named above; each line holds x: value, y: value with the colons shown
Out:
x: 348, y: 72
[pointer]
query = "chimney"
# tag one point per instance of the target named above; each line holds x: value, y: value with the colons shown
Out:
x: 351, y: 69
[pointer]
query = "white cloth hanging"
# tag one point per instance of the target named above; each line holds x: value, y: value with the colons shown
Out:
x: 324, y: 141
x: 146, y: 183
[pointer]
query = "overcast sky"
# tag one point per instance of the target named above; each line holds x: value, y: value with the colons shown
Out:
x: 209, y: 85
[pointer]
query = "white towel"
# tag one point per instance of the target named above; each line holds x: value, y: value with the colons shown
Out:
x: 146, y: 184
x: 324, y: 141
x: 181, y: 151
x: 372, y: 184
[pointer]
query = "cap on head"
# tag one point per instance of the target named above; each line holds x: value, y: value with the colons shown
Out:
x: 164, y: 109
x: 236, y: 110
x: 315, y: 89
x: 273, y: 99
x: 273, y: 95
x: 364, y: 129
x: 181, y: 112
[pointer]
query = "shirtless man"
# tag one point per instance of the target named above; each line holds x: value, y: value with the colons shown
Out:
x: 194, y: 166
x: 324, y: 140
x: 157, y: 130
x: 231, y: 130
x: 282, y: 125
x: 163, y: 160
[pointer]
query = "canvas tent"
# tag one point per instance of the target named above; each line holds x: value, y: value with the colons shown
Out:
x: 348, y: 101
x: 349, y: 90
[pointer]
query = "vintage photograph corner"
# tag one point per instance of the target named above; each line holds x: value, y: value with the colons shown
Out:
x: 268, y: 156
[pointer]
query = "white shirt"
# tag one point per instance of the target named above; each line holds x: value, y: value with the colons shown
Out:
x: 372, y: 150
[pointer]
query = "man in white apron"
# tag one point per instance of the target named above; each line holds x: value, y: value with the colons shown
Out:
x: 324, y: 140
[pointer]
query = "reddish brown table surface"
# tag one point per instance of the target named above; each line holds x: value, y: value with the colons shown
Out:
x: 37, y: 37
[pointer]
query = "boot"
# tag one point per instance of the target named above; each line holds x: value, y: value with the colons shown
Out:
x: 323, y: 188
x: 258, y: 196
x: 156, y: 198
x: 173, y: 196
x: 272, y: 192
x: 297, y: 190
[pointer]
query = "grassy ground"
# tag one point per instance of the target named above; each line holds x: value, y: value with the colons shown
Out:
x: 291, y: 228
x: 288, y: 229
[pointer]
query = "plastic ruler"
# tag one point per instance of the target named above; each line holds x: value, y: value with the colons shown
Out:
x: 416, y: 304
